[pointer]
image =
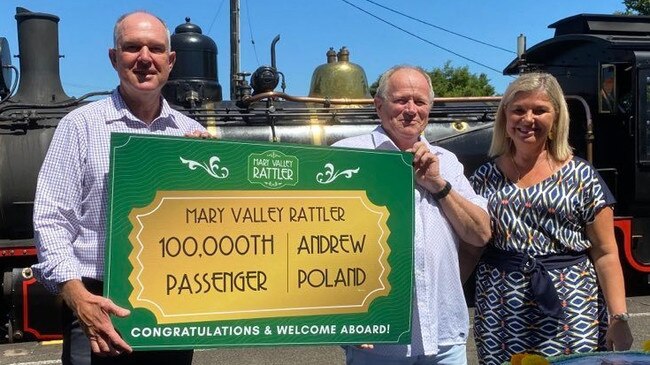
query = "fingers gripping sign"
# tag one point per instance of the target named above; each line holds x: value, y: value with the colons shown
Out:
x: 427, y: 167
x: 200, y: 135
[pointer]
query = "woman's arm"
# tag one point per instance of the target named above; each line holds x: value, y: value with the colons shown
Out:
x: 604, y: 254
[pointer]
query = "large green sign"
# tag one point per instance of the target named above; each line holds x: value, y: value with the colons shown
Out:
x: 222, y: 243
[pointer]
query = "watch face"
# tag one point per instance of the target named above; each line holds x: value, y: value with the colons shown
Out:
x: 622, y: 316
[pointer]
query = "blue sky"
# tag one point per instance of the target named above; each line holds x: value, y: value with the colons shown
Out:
x: 308, y: 28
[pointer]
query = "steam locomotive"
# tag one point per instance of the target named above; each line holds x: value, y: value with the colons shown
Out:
x: 32, y: 101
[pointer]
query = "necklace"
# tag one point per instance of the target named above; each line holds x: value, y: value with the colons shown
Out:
x: 514, y: 164
x: 519, y: 174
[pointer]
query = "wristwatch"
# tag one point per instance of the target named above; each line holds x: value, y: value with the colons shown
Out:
x: 621, y: 316
x: 442, y: 193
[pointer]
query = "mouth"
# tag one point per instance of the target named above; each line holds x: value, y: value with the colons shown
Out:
x: 142, y: 73
x: 407, y: 121
x: 527, y: 130
x: 143, y: 78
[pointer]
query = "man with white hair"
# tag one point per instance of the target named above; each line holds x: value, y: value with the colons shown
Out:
x: 448, y: 214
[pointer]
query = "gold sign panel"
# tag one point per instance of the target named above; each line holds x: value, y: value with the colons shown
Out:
x: 219, y: 255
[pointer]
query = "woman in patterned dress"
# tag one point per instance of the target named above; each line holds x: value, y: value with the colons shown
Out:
x: 552, y: 264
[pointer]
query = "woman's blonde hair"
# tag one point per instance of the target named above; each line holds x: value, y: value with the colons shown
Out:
x: 558, y: 141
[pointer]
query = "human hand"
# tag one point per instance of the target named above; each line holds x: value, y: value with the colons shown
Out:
x: 427, y: 167
x: 366, y: 346
x: 619, y: 336
x: 94, y: 316
x: 200, y: 134
x: 94, y: 313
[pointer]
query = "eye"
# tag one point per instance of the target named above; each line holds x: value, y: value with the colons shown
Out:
x: 517, y: 110
x: 131, y: 48
x: 157, y: 49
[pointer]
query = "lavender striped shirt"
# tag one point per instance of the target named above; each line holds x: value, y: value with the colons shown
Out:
x: 71, y: 195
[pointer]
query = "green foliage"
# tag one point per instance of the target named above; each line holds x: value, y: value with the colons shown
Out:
x: 451, y: 81
x: 637, y: 7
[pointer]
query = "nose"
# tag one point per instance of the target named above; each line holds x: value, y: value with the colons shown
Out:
x: 529, y: 116
x: 144, y: 55
x: 410, y: 107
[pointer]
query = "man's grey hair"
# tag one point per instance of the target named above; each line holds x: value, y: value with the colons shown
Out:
x: 382, y: 88
x: 117, y: 29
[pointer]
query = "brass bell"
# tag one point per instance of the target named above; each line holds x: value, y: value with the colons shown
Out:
x: 339, y: 78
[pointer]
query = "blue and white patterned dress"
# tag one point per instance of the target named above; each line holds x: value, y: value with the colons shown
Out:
x: 546, y: 218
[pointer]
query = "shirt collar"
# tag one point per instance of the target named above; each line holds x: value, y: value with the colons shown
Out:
x: 120, y: 111
x: 382, y: 141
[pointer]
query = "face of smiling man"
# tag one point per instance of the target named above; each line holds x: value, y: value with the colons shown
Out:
x: 142, y: 57
x: 404, y: 109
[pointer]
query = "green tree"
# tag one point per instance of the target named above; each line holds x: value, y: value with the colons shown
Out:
x: 451, y: 81
x: 637, y: 7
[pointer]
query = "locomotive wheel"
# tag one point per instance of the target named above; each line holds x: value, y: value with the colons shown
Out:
x: 4, y: 305
x: 10, y: 331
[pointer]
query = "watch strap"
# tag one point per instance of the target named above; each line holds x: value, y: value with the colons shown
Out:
x: 443, y: 192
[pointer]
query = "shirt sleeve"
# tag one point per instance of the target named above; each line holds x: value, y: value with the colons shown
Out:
x: 608, y: 196
x: 595, y: 193
x: 478, y: 180
x: 454, y: 172
x: 57, y: 205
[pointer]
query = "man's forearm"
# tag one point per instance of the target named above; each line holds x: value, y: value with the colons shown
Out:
x: 70, y: 291
x: 470, y: 222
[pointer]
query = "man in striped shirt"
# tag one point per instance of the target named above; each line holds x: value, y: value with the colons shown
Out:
x: 71, y: 195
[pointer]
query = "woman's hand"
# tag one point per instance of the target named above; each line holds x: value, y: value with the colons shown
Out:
x: 619, y: 336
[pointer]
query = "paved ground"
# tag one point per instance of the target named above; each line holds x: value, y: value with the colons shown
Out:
x: 34, y: 353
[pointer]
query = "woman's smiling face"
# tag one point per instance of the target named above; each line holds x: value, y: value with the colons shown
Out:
x: 530, y: 117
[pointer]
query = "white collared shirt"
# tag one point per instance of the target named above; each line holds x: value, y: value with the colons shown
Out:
x: 440, y: 316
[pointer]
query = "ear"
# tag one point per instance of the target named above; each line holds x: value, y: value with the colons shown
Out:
x: 112, y: 55
x: 172, y: 59
x: 378, y: 103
